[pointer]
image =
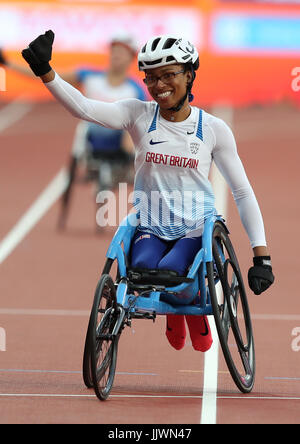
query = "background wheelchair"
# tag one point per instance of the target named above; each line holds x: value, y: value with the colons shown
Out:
x: 103, y: 169
x: 213, y: 286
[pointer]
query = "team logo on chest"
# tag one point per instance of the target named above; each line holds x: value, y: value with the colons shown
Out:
x: 194, y: 147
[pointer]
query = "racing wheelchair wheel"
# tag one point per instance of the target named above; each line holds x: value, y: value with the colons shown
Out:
x: 109, y: 267
x: 86, y: 367
x: 231, y: 310
x: 100, y: 355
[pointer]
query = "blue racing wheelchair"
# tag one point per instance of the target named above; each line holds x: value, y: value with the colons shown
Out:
x: 212, y: 286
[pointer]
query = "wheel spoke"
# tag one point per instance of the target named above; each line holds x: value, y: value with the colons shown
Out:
x: 226, y: 321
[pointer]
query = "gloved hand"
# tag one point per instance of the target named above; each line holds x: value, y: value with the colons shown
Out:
x: 260, y: 276
x: 39, y: 52
x: 3, y: 60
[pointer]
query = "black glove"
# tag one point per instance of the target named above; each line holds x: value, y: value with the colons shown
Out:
x: 38, y: 53
x: 260, y: 277
x: 3, y: 60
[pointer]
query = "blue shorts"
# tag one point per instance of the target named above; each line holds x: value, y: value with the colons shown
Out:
x: 149, y: 251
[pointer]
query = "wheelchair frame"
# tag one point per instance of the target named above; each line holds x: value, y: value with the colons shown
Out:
x: 130, y: 296
x: 94, y: 168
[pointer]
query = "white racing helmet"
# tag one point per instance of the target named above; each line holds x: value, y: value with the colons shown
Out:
x: 166, y: 50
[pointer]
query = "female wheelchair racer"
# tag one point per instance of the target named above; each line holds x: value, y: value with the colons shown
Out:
x: 175, y: 145
x: 212, y: 286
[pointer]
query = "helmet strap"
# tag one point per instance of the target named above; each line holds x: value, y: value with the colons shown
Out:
x: 179, y: 104
x: 181, y: 101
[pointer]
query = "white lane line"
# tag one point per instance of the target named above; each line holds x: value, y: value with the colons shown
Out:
x: 132, y: 373
x: 275, y: 317
x: 70, y: 312
x: 281, y: 378
x: 20, y: 370
x: 210, y: 379
x: 211, y: 357
x: 70, y: 395
x: 43, y: 312
x: 37, y: 210
x: 13, y: 112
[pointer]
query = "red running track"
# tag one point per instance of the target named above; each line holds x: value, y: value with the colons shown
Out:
x: 48, y: 280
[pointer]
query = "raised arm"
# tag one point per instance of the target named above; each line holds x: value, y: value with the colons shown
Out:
x: 112, y: 115
x: 38, y: 55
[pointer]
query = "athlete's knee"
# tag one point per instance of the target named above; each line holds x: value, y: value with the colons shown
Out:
x: 140, y: 262
x: 172, y: 263
x: 146, y: 251
x: 143, y: 259
x: 181, y: 256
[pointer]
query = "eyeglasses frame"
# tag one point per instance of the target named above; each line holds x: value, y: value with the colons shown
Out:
x: 157, y: 78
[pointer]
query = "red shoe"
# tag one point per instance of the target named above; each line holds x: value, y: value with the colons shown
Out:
x: 199, y: 332
x: 175, y: 331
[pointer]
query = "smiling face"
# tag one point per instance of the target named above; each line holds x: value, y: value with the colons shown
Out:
x: 166, y: 88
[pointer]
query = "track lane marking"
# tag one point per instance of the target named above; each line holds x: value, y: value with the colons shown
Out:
x: 211, y: 357
x: 72, y: 372
x: 43, y: 312
x: 13, y: 112
x: 70, y: 395
x: 70, y: 312
x: 32, y: 216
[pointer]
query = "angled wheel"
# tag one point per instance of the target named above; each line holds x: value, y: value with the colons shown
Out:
x: 86, y: 366
x: 231, y: 310
x: 110, y: 267
x: 102, y: 340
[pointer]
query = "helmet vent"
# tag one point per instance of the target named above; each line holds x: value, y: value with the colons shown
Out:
x: 154, y: 62
x: 170, y: 59
x: 154, y: 44
x: 169, y: 43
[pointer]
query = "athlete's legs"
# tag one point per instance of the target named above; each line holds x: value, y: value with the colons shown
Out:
x: 199, y: 332
x: 181, y: 255
x: 147, y: 250
x: 179, y: 258
x: 175, y: 331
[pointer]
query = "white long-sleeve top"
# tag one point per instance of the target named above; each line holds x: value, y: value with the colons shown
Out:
x: 173, y: 195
